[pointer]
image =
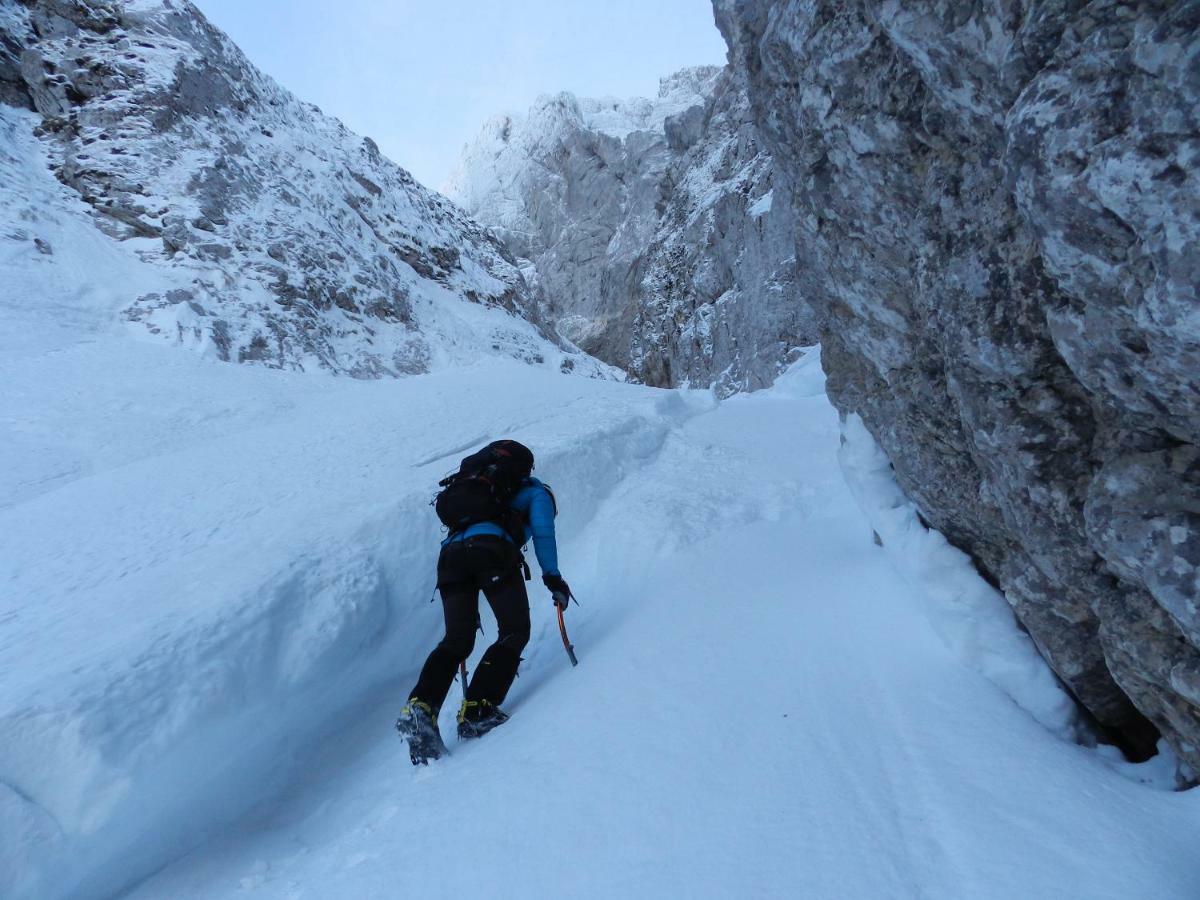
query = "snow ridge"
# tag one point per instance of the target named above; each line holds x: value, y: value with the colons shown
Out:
x: 970, y: 615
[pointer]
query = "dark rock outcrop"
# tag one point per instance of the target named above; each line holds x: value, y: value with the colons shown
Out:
x: 998, y: 222
x: 14, y: 35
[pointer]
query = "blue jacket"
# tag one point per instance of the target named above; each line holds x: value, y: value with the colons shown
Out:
x: 537, y: 508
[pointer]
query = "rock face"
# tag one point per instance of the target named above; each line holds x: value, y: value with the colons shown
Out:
x: 650, y: 229
x: 294, y: 243
x: 998, y: 223
x: 13, y: 28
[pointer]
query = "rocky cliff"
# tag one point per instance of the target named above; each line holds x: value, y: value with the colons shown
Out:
x: 997, y: 217
x: 290, y: 241
x: 650, y: 229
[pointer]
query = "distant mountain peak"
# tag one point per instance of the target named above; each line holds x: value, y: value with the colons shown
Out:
x: 646, y: 224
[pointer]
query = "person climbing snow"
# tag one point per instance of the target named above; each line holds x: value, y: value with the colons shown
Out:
x: 492, y: 506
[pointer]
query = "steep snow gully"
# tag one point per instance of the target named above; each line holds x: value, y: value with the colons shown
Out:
x: 215, y: 580
x: 266, y: 580
x: 762, y: 707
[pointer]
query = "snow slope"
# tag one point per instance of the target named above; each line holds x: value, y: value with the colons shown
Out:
x: 190, y: 548
x: 761, y: 709
x: 214, y: 591
x: 175, y: 625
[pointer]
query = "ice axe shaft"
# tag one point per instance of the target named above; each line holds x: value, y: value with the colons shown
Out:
x: 462, y: 666
x: 562, y: 629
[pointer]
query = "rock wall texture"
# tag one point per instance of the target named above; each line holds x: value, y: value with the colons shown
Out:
x: 997, y: 210
x: 650, y: 229
x: 294, y: 242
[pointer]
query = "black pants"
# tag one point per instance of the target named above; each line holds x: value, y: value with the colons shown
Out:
x: 493, y: 565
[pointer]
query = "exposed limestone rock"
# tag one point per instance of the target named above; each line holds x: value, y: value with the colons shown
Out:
x: 650, y: 227
x: 998, y: 222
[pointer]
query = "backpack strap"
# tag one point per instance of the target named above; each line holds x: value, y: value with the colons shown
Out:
x: 553, y: 499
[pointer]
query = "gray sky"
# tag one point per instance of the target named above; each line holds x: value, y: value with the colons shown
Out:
x: 421, y: 76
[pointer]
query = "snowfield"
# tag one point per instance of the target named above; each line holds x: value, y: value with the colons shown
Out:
x: 205, y: 647
x: 215, y: 587
x: 221, y: 599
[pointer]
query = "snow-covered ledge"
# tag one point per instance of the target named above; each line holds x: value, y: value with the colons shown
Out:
x: 970, y: 616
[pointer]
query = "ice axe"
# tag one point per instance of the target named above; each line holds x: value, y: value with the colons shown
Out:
x: 560, y: 603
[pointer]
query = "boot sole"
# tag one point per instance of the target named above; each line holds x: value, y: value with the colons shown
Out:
x: 473, y: 732
x: 422, y: 745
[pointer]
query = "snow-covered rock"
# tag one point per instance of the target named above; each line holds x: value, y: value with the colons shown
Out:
x: 286, y: 240
x: 996, y: 212
x: 214, y: 580
x: 646, y: 225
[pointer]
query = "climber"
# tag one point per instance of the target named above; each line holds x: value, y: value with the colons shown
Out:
x: 492, y: 506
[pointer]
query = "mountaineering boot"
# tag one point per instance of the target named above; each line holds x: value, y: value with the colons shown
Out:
x: 477, y: 717
x: 418, y: 725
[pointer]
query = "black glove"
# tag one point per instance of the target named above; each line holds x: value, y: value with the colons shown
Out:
x: 559, y: 590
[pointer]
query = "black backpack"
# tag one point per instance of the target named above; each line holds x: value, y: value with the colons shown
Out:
x: 483, y: 487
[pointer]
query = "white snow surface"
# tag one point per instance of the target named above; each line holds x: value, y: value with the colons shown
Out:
x: 216, y: 592
x: 970, y: 615
x: 762, y: 205
x: 215, y: 588
x: 676, y: 92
